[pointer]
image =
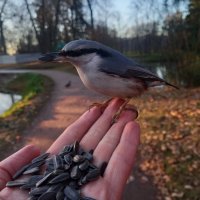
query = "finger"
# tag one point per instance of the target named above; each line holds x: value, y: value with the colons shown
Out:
x: 101, y: 126
x: 10, y: 165
x: 122, y: 159
x: 77, y: 130
x: 110, y: 141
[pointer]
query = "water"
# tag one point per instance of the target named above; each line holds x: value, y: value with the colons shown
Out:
x: 165, y: 71
x: 7, y: 100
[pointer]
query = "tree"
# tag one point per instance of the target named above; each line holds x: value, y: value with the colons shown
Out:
x: 193, y: 25
x: 2, y: 38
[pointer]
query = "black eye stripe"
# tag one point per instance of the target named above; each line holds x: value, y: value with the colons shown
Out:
x: 81, y: 52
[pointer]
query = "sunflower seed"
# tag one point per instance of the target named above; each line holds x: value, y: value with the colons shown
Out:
x: 67, y: 167
x: 87, y: 198
x: 103, y: 168
x: 20, y: 172
x: 39, y: 190
x: 93, y: 174
x: 32, y: 171
x: 75, y: 173
x: 60, y: 194
x: 68, y: 159
x: 16, y: 183
x: 83, y: 166
x: 44, y: 179
x: 76, y: 147
x: 71, y: 193
x: 78, y: 158
x: 55, y: 188
x: 88, y: 156
x: 67, y: 149
x: 58, y: 171
x: 35, y: 164
x: 41, y: 157
x: 60, y: 178
x: 31, y: 182
x: 83, y: 181
x: 62, y: 174
x: 58, y: 162
x: 48, y: 196
x: 74, y: 185
x: 33, y: 198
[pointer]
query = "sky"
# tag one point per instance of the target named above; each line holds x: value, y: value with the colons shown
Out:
x: 130, y: 16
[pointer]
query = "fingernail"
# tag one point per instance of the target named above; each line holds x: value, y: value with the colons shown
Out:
x: 132, y: 109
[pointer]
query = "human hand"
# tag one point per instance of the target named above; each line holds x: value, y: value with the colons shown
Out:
x: 116, y: 144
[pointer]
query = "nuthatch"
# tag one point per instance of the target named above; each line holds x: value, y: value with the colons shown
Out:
x: 106, y: 70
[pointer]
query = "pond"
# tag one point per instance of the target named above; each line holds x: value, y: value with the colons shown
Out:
x: 165, y: 71
x: 7, y: 100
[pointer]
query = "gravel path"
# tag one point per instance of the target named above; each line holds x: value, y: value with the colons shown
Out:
x: 66, y: 105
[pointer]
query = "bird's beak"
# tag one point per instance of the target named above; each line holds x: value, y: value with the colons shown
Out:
x: 52, y: 57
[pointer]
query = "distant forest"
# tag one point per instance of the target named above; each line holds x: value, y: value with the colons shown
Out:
x: 167, y: 34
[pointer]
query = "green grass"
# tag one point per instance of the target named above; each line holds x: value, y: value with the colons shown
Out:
x: 35, y: 90
x: 28, y: 85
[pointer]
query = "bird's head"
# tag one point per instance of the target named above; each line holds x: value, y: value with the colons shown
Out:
x: 78, y: 52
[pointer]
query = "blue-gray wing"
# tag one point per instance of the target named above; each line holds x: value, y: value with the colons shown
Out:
x: 127, y: 68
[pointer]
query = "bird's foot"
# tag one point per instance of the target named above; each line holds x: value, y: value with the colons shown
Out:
x: 123, y: 107
x: 102, y: 106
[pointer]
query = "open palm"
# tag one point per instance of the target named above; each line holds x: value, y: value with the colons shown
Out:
x: 115, y: 144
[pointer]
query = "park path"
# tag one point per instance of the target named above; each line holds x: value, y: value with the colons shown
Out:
x: 65, y: 105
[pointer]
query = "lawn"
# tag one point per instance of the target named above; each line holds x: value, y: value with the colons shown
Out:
x: 35, y: 90
x: 170, y: 150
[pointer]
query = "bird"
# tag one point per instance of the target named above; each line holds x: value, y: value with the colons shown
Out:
x: 106, y: 70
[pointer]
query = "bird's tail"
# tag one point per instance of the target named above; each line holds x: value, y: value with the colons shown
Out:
x: 174, y: 86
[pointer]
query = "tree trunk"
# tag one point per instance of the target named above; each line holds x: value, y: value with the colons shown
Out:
x: 91, y: 14
x: 2, y: 38
x: 34, y: 26
x: 55, y: 31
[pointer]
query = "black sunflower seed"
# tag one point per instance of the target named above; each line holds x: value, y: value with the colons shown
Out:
x: 76, y: 147
x: 44, y: 179
x: 68, y: 159
x: 78, y: 158
x: 60, y: 194
x: 62, y: 175
x: 31, y: 182
x: 87, y: 198
x: 71, y: 193
x: 48, y: 196
x: 93, y: 174
x: 60, y: 178
x: 35, y: 164
x: 67, y: 149
x: 16, y: 183
x: 83, y: 166
x: 74, y: 185
x: 41, y: 157
x: 32, y: 198
x: 20, y: 172
x: 103, y: 168
x: 58, y: 162
x: 75, y: 173
x: 55, y: 188
x: 58, y: 171
x: 67, y: 167
x: 32, y: 170
x: 88, y: 156
x: 39, y: 190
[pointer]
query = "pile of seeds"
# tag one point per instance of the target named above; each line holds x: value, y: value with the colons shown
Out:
x: 58, y: 177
